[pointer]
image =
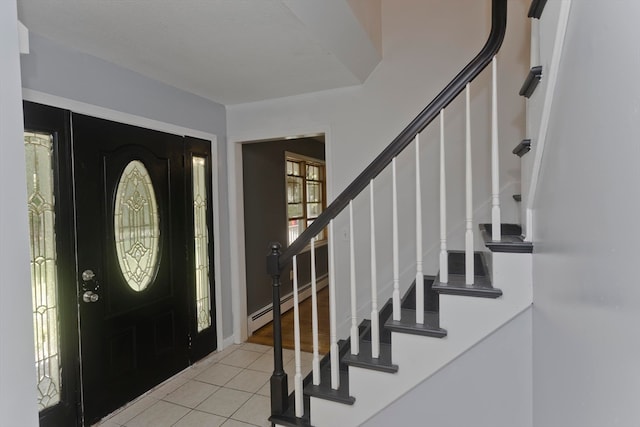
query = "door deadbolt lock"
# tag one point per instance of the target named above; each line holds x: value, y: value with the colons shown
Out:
x: 88, y: 275
x: 90, y: 297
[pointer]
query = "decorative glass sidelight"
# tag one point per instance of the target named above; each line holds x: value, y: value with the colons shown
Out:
x: 44, y: 283
x: 201, y: 243
x: 136, y: 226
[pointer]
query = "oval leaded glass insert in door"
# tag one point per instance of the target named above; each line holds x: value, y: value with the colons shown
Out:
x: 136, y: 226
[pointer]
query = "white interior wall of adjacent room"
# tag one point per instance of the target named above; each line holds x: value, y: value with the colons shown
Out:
x: 425, y: 44
x: 586, y: 294
x: 17, y: 370
x: 55, y: 75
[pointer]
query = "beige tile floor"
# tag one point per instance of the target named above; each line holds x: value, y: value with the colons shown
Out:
x: 228, y: 388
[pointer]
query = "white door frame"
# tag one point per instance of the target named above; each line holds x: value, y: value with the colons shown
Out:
x: 236, y: 208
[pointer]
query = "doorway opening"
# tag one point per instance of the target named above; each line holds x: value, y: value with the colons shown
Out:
x: 284, y: 190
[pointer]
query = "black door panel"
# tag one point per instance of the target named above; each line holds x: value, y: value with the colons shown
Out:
x: 131, y: 340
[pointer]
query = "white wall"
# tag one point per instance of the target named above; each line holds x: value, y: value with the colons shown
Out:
x: 17, y: 373
x: 586, y: 294
x: 425, y: 43
x: 489, y: 385
x: 542, y: 46
x: 56, y: 70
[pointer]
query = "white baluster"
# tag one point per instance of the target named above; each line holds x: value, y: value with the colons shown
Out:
x: 375, y: 326
x: 314, y: 315
x: 444, y: 257
x: 468, y: 236
x: 495, y: 159
x: 355, y: 336
x: 333, y: 336
x: 419, y: 273
x: 296, y: 339
x: 396, y: 268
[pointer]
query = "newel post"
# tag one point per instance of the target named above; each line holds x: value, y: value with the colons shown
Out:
x: 279, y: 386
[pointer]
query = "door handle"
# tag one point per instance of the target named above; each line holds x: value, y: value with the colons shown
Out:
x: 90, y: 297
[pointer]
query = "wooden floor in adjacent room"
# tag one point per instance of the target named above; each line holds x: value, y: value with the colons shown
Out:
x: 264, y: 335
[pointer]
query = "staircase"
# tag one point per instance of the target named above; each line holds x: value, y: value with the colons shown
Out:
x: 416, y: 333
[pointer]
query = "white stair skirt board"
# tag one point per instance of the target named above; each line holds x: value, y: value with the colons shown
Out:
x: 468, y: 320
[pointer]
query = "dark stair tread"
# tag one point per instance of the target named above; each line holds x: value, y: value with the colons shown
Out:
x: 531, y: 82
x: 511, y: 239
x: 431, y: 299
x: 456, y: 286
x: 364, y: 360
x: 289, y: 418
x: 324, y: 390
x: 517, y: 197
x: 407, y: 324
x: 523, y: 148
x: 457, y: 263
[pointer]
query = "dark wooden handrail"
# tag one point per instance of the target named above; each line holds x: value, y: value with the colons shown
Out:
x: 426, y: 116
x: 277, y: 260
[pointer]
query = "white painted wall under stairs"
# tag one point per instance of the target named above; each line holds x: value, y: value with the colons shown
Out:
x: 487, y: 386
x: 468, y: 321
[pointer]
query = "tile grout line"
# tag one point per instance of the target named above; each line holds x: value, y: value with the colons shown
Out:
x: 155, y: 400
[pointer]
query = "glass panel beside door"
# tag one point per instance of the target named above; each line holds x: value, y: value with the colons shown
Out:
x: 53, y: 285
x: 44, y: 274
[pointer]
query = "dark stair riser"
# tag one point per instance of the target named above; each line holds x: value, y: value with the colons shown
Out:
x: 431, y: 298
x: 324, y: 390
x: 456, y: 285
x: 457, y: 263
x: 407, y: 323
x: 363, y: 359
x: 383, y: 314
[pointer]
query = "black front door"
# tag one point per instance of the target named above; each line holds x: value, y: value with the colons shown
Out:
x: 132, y: 260
x: 122, y: 260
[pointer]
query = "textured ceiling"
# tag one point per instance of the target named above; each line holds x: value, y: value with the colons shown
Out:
x: 229, y: 51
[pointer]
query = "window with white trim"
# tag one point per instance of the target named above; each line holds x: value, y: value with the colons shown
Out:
x: 306, y: 193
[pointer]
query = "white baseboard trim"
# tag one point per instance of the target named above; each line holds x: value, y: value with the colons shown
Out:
x: 261, y: 317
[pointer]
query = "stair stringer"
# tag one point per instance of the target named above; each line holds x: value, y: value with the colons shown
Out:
x: 468, y: 320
